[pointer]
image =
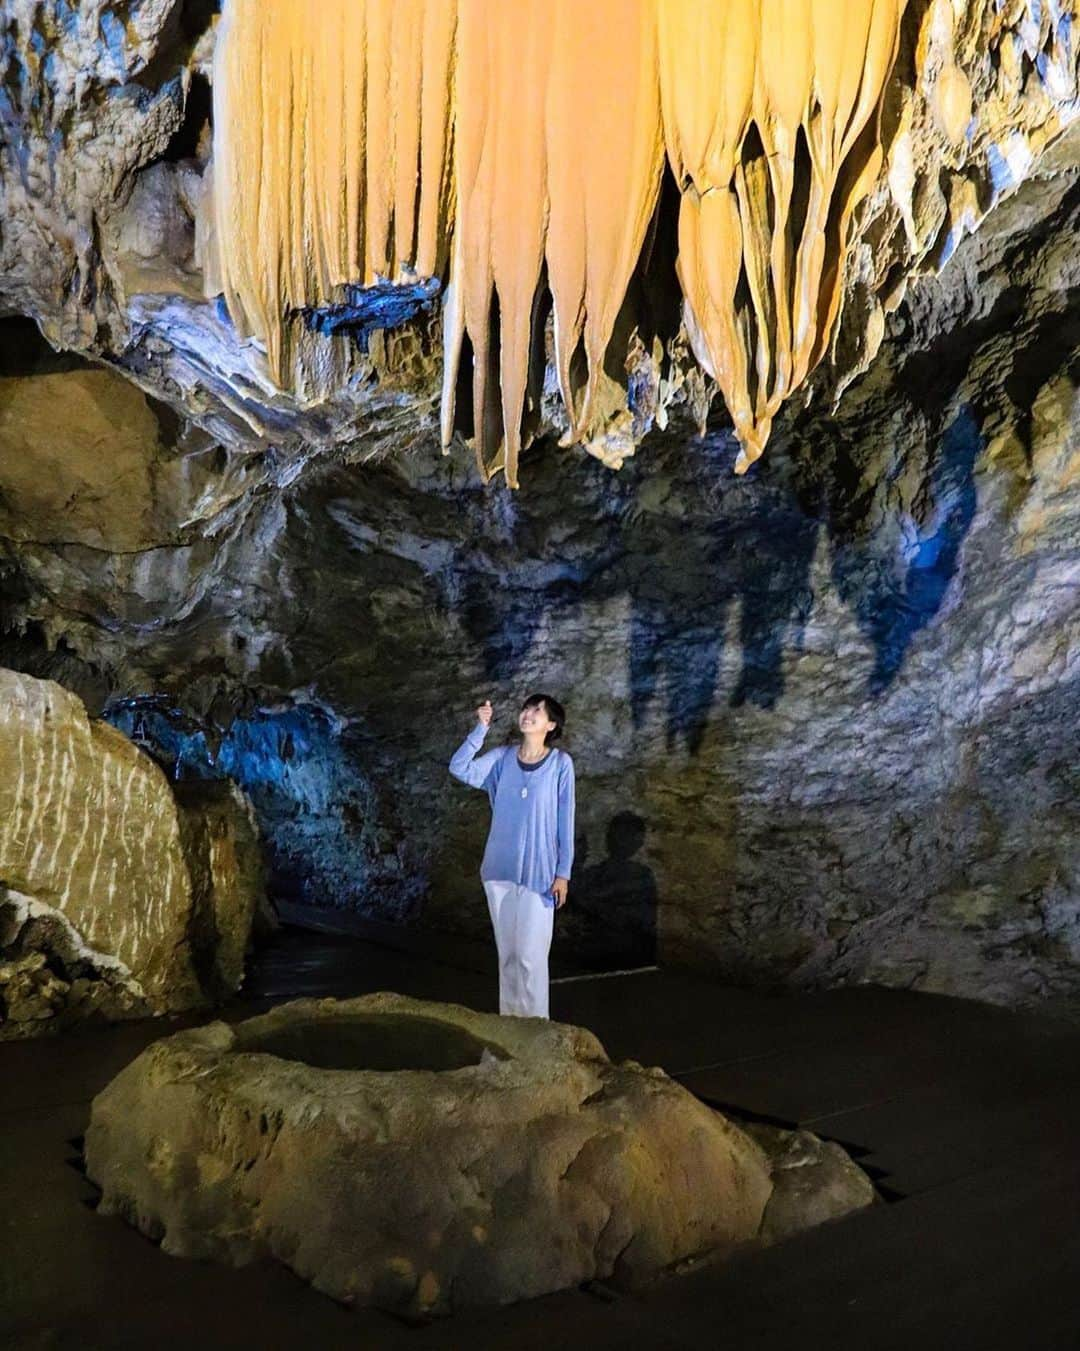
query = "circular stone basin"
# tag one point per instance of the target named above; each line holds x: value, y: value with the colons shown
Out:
x: 520, y: 1172
x: 376, y: 1041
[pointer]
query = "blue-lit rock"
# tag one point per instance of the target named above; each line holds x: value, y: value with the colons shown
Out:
x: 304, y: 773
x: 367, y: 309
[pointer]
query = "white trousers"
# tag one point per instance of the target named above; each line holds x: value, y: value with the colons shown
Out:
x: 523, y: 924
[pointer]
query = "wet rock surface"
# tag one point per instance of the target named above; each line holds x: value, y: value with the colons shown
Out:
x: 423, y: 1157
x: 115, y: 898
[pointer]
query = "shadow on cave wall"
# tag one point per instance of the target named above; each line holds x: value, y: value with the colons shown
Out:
x: 894, y: 593
x: 725, y: 556
x: 712, y: 545
x: 502, y: 623
x: 895, y: 520
x: 610, y: 920
x: 894, y: 578
x: 680, y: 612
x: 730, y: 548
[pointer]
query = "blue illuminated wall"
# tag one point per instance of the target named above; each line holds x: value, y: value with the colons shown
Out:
x: 316, y: 810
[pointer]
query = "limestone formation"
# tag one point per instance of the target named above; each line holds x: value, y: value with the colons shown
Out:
x: 89, y: 828
x: 823, y: 154
x: 220, y: 839
x: 49, y: 978
x: 423, y: 1157
x: 111, y: 895
x: 823, y: 716
x: 88, y: 461
x: 814, y: 1181
x: 533, y: 138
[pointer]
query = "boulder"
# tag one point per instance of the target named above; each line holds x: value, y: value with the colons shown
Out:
x: 112, y: 894
x: 420, y: 1156
x: 813, y: 1181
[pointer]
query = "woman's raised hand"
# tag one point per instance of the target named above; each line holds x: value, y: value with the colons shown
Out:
x: 484, y: 712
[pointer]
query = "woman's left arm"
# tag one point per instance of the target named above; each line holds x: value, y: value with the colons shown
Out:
x: 564, y: 851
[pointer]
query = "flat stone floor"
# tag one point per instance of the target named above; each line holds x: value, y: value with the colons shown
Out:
x: 966, y: 1115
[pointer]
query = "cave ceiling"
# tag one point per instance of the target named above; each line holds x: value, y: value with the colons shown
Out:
x: 324, y: 228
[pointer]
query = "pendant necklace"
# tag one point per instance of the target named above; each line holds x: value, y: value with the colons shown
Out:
x: 525, y: 791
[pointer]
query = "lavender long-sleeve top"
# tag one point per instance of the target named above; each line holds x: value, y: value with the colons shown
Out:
x: 531, y: 840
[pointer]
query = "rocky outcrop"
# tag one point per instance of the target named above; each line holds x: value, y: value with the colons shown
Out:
x: 541, y: 179
x: 112, y: 895
x: 220, y: 840
x: 823, y: 717
x: 423, y: 1157
x: 50, y: 978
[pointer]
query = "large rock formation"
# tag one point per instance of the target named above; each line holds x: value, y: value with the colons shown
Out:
x: 423, y: 1157
x: 112, y: 895
x: 530, y: 144
x: 924, y: 114
x: 220, y: 840
x: 526, y: 139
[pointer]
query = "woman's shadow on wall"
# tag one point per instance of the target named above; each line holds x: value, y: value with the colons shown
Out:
x: 610, y: 919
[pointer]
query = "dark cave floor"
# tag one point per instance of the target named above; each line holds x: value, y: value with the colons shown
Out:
x: 966, y: 1115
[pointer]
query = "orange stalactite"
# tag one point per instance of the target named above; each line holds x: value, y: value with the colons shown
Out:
x: 503, y: 64
x: 605, y: 158
x: 365, y: 139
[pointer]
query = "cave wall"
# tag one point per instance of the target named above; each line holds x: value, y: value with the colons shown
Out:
x: 824, y: 717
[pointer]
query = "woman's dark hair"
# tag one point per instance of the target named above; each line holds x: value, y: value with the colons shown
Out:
x: 554, y: 710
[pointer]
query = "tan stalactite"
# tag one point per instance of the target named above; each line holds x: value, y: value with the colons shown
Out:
x: 762, y: 294
x: 707, y: 107
x: 950, y: 91
x: 361, y: 139
x: 605, y: 157
x: 503, y: 61
x: 866, y: 32
x: 553, y: 164
x: 333, y: 164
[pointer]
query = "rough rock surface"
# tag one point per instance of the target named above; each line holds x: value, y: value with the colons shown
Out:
x: 48, y: 976
x: 823, y: 717
x: 422, y: 1156
x: 814, y: 1181
x: 220, y: 839
x: 112, y: 896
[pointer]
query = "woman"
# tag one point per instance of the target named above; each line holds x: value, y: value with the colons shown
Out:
x: 530, y: 847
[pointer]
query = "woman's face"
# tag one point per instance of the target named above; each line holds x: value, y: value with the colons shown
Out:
x: 533, y: 718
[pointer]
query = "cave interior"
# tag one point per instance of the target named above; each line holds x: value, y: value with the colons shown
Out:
x: 714, y: 372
